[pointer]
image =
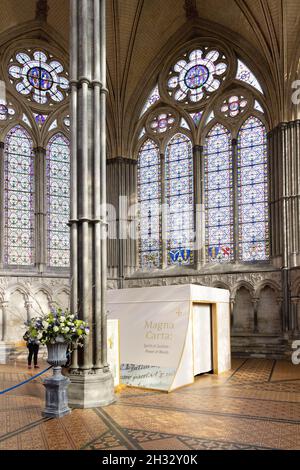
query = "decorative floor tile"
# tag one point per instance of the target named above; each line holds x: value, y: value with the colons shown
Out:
x: 256, y: 405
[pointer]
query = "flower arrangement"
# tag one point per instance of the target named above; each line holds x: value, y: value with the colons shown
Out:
x: 55, y: 326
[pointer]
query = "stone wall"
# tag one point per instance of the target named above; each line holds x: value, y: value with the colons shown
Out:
x: 22, y: 298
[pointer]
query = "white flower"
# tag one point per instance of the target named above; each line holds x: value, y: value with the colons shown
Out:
x: 40, y: 335
x: 67, y: 329
x: 62, y: 319
x: 55, y: 329
x: 45, y: 324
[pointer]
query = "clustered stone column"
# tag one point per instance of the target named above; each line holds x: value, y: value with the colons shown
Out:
x: 91, y: 381
x: 122, y: 240
x: 4, y: 308
x: 284, y: 144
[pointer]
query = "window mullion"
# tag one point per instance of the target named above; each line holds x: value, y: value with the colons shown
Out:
x: 235, y: 201
x: 164, y: 212
x: 40, y: 209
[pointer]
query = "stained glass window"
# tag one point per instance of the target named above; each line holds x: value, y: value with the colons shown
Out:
x: 142, y: 133
x: 198, y: 74
x: 19, y: 199
x: 40, y: 119
x: 234, y: 106
x: 39, y: 76
x: 149, y: 197
x: 244, y: 74
x: 53, y: 125
x: 210, y: 118
x: 179, y: 199
x: 184, y: 124
x: 162, y: 122
x: 6, y: 111
x: 258, y: 107
x: 26, y: 120
x: 58, y: 198
x: 197, y: 117
x: 153, y: 98
x: 253, y: 191
x: 67, y: 122
x: 218, y: 195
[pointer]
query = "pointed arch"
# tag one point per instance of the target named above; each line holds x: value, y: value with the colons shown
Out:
x: 218, y: 194
x: 253, y: 191
x: 19, y: 224
x: 149, y: 198
x: 58, y: 201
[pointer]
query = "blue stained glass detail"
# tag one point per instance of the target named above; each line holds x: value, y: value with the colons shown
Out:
x: 149, y: 197
x: 218, y: 195
x: 179, y: 200
x: 40, y: 78
x: 196, y: 76
x: 58, y: 197
x: 19, y: 199
x: 253, y: 191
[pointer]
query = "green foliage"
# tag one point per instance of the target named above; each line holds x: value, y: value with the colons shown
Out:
x: 58, y: 323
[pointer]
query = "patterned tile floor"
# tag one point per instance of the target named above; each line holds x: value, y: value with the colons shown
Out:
x: 254, y: 406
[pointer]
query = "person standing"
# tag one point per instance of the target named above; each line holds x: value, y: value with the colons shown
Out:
x: 33, y: 346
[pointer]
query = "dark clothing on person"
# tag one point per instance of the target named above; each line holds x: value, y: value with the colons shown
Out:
x: 33, y: 349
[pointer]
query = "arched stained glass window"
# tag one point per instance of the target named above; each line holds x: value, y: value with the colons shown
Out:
x: 19, y: 199
x: 58, y: 197
x: 218, y: 195
x: 149, y: 197
x: 253, y: 191
x: 232, y: 173
x: 179, y: 199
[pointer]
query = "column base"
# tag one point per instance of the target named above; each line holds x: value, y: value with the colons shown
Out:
x: 56, y: 395
x: 5, y: 351
x: 91, y: 388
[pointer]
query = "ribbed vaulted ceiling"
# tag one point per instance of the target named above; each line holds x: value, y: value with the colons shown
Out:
x: 139, y: 31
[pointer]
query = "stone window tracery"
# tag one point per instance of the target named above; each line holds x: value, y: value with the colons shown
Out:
x: 38, y: 75
x: 229, y: 221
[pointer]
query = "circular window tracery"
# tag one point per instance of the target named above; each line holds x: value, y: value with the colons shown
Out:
x: 234, y: 105
x: 6, y: 111
x: 198, y: 75
x: 161, y: 122
x: 38, y: 76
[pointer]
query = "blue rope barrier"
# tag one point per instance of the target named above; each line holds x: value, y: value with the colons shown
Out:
x: 25, y: 381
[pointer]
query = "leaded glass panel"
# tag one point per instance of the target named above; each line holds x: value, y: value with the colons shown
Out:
x: 218, y: 195
x: 19, y: 199
x: 58, y: 198
x: 179, y: 200
x: 253, y: 191
x: 149, y: 197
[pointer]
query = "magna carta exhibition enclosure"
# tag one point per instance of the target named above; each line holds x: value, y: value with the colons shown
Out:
x: 168, y: 335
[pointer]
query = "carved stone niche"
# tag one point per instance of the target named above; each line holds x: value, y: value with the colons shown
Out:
x: 243, y: 311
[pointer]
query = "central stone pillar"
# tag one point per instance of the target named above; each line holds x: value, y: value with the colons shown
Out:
x: 91, y: 381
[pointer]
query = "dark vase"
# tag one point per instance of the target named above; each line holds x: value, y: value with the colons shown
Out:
x: 57, y: 352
